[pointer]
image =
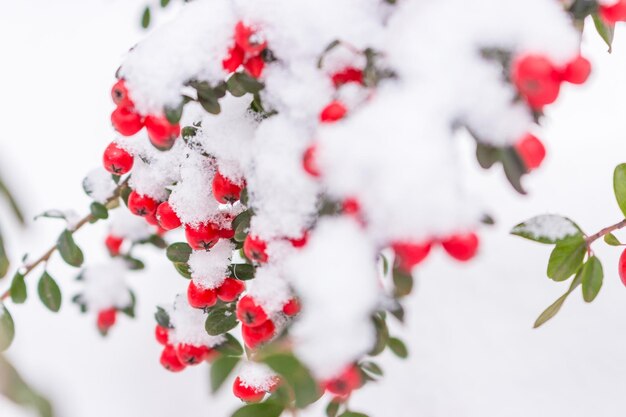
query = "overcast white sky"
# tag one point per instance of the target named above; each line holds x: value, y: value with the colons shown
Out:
x: 473, y: 352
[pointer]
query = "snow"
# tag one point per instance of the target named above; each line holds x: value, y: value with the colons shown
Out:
x: 269, y: 289
x: 257, y: 375
x: 99, y: 185
x: 210, y: 268
x: 128, y: 226
x: 549, y: 226
x: 105, y: 286
x: 188, y: 325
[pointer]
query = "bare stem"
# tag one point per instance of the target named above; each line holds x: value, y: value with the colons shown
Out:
x: 28, y: 268
x: 590, y: 239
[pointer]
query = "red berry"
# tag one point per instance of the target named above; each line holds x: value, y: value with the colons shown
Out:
x: 141, y: 204
x: 202, y: 237
x: 292, y: 307
x: 343, y: 385
x: 531, y: 151
x: 126, y: 120
x: 248, y: 39
x: 230, y: 289
x: 577, y: 71
x: 347, y: 75
x: 613, y: 13
x: 247, y: 393
x: 351, y: 206
x: 255, y: 336
x: 151, y: 219
x: 161, y: 334
x: 116, y: 160
x: 190, y: 354
x: 254, y: 66
x: 409, y: 254
x: 461, y: 247
x: 226, y: 233
x: 255, y: 249
x: 250, y: 313
x: 167, y: 217
x: 161, y: 132
x: 333, y: 112
x: 234, y: 59
x: 170, y: 360
x: 309, y: 161
x: 622, y: 267
x: 536, y: 79
x: 106, y: 319
x: 301, y: 241
x: 224, y: 190
x: 119, y: 94
x: 113, y: 244
x: 199, y: 297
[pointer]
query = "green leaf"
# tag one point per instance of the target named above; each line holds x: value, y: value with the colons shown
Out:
x: 183, y: 269
x: 352, y: 414
x: 610, y: 239
x: 173, y: 115
x: 267, y: 409
x: 129, y: 310
x: 541, y: 229
x: 7, y: 328
x: 49, y: 292
x: 132, y: 263
x: 403, y: 283
x: 514, y: 168
x: 398, y: 347
x: 619, y: 186
x: 221, y: 369
x: 250, y: 84
x: 145, y: 18
x: 305, y: 388
x: 4, y: 259
x: 372, y: 368
x: 332, y: 409
x: 486, y: 155
x: 164, y: 3
x: 178, y: 252
x: 18, y: 391
x: 70, y: 252
x: 243, y: 272
x: 231, y: 347
x: 592, y: 276
x: 220, y: 320
x: 18, y: 289
x: 566, y: 258
x: 240, y: 225
x: 382, y: 335
x: 162, y: 317
x: 234, y: 87
x: 99, y: 211
x: 554, y: 308
x: 605, y: 31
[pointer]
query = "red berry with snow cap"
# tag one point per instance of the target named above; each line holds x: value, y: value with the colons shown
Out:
x: 141, y: 204
x: 113, y: 244
x: 199, y: 297
x: 255, y: 249
x: 246, y: 392
x: 126, y: 120
x: 250, y: 313
x: 162, y: 334
x: 256, y: 336
x: 106, y: 319
x: 161, y: 132
x: 409, y: 254
x: 531, y: 151
x: 167, y: 217
x: 224, y: 190
x: 203, y: 236
x: 333, y: 112
x: 461, y: 247
x: 292, y: 307
x: 613, y: 13
x: 577, y: 71
x: 309, y: 161
x: 343, y: 385
x: 248, y: 39
x: 234, y: 59
x: 170, y: 361
x: 230, y: 289
x: 254, y: 66
x: 119, y: 94
x: 117, y: 160
x: 192, y: 355
x: 536, y: 79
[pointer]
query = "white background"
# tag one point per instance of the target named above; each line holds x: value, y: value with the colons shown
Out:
x: 473, y: 351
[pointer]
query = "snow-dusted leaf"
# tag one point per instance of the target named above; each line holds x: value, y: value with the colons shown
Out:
x: 592, y: 276
x: 566, y: 257
x: 221, y: 369
x: 49, y: 292
x: 52, y: 214
x: 220, y: 320
x: 183, y: 269
x: 7, y: 328
x: 619, y: 186
x: 547, y: 228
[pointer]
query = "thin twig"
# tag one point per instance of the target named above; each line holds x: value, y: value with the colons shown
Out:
x: 27, y: 269
x: 590, y: 239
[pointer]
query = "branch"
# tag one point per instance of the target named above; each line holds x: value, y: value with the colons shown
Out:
x: 48, y: 254
x: 590, y: 239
